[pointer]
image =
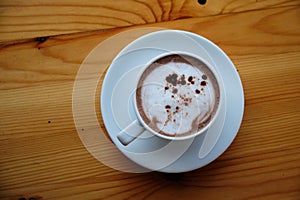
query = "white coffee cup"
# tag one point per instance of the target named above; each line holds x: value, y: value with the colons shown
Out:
x: 137, y: 127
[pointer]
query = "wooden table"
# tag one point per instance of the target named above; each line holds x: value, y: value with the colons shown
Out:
x: 43, y: 44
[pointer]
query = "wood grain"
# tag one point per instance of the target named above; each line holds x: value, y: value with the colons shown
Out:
x: 28, y: 19
x: 43, y: 157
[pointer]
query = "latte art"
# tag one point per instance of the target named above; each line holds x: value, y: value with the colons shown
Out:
x: 177, y: 95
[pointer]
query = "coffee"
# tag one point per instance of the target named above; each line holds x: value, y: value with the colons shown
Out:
x: 177, y: 95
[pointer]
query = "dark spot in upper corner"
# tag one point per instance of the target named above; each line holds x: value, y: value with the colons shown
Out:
x: 166, y: 88
x: 197, y: 91
x: 167, y: 106
x: 190, y: 79
x: 202, y: 2
x: 41, y: 39
x: 22, y: 198
x: 49, y: 122
x: 175, y: 90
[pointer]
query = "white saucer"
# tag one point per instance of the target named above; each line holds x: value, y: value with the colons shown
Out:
x: 151, y: 151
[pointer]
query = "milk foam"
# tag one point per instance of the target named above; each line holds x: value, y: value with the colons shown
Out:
x: 177, y: 98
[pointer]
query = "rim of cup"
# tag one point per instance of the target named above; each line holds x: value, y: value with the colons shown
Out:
x: 221, y: 96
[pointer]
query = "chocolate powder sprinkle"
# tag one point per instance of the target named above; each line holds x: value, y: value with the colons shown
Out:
x: 203, y: 83
x: 168, y: 107
x: 172, y: 78
x: 182, y: 80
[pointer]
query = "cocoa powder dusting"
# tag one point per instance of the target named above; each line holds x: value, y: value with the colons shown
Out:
x: 172, y: 78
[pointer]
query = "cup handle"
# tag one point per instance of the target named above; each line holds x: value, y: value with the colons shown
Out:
x: 130, y: 133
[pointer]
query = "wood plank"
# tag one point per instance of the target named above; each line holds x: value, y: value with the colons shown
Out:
x: 73, y: 173
x: 242, y: 35
x: 29, y: 19
x: 42, y: 155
